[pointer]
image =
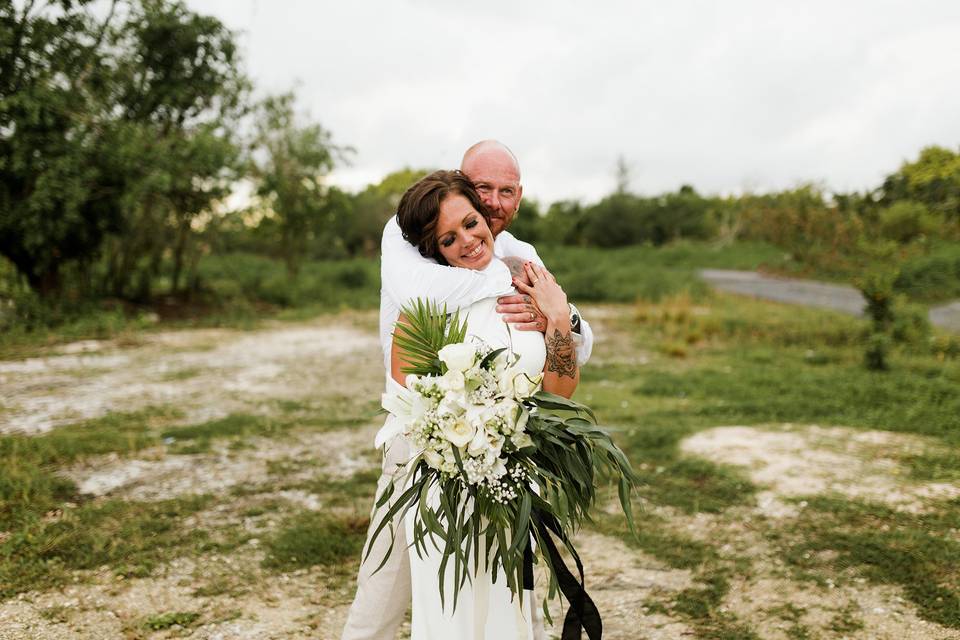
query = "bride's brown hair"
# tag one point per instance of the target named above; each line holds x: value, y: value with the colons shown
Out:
x: 419, y: 209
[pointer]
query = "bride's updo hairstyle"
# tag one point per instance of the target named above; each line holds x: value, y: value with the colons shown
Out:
x: 419, y: 209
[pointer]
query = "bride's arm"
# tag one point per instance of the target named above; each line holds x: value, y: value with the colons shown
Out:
x: 395, y: 362
x: 561, y: 374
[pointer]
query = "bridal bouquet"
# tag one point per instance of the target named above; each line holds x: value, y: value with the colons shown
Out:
x: 509, y: 461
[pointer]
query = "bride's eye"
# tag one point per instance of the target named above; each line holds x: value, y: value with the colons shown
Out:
x: 446, y: 242
x: 471, y: 224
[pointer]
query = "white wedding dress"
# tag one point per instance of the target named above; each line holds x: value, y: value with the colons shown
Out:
x: 485, y: 610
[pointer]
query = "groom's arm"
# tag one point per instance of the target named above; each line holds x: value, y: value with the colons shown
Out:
x: 508, y: 245
x: 405, y: 275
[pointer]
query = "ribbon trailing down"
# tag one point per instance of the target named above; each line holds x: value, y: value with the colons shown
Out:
x: 582, y: 612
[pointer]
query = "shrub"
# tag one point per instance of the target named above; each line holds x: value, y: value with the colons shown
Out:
x: 905, y: 221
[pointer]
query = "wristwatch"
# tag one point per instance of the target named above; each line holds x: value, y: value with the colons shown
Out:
x: 574, y: 319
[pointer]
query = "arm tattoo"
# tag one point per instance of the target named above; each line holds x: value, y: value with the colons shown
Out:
x: 561, y: 355
x: 515, y: 265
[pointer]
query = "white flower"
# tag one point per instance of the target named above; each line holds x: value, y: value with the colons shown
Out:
x: 433, y: 458
x: 400, y: 401
x: 521, y: 440
x: 458, y: 431
x: 524, y: 386
x: 458, y: 356
x: 452, y: 380
x: 484, y: 442
x: 522, y: 419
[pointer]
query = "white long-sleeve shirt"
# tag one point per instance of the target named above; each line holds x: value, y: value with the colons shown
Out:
x: 406, y: 275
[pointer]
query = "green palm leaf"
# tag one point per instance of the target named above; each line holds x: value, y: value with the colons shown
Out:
x: 427, y: 328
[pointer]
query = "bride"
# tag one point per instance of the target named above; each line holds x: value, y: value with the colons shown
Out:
x: 443, y: 217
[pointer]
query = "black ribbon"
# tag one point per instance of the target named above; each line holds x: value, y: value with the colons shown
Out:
x: 582, y: 612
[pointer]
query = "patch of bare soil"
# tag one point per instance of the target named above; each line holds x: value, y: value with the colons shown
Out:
x: 339, y: 453
x: 620, y: 581
x: 793, y: 461
x: 776, y: 607
x: 207, y: 373
x: 254, y: 605
x: 798, y: 460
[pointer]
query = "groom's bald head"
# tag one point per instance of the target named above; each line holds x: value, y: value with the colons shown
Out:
x: 496, y: 173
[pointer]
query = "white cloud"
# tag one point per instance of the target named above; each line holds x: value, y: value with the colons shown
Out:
x: 718, y: 95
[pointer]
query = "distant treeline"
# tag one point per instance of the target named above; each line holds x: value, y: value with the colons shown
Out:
x: 126, y: 125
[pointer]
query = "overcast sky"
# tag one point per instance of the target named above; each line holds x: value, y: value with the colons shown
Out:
x: 726, y: 96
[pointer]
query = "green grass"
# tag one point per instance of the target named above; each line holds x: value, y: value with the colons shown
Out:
x: 240, y: 290
x: 29, y: 484
x: 312, y: 538
x: 750, y: 363
x: 130, y: 537
x: 357, y: 490
x: 917, y: 552
x: 167, y: 620
x: 655, y: 538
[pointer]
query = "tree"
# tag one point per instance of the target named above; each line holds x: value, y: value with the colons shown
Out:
x: 933, y: 179
x: 295, y: 159
x: 180, y: 96
x: 115, y: 128
x: 58, y: 195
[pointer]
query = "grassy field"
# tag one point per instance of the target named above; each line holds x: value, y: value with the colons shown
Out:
x: 787, y: 491
x: 242, y: 290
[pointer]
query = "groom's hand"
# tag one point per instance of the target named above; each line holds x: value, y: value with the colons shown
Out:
x: 521, y: 311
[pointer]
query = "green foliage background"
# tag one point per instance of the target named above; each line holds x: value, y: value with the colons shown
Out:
x: 123, y: 135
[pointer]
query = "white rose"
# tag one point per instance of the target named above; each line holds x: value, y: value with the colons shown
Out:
x: 458, y: 356
x: 521, y: 440
x: 452, y: 380
x: 478, y: 444
x: 524, y: 386
x: 434, y: 459
x: 458, y: 431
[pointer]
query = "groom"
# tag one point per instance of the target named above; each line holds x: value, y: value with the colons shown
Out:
x: 382, y: 598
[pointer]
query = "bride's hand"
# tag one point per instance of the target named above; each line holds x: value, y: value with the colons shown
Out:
x: 546, y: 293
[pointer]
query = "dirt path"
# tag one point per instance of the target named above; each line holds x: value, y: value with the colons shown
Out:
x: 206, y: 373
x: 841, y: 298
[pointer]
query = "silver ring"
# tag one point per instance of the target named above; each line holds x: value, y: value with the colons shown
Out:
x: 535, y: 280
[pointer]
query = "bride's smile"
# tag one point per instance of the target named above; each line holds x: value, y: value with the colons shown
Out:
x: 463, y: 235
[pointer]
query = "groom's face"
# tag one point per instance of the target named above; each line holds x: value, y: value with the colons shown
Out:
x: 498, y: 182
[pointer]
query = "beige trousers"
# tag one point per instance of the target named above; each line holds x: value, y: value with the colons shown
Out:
x: 382, y: 598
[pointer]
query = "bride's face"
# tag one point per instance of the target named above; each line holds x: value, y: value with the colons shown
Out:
x: 463, y: 237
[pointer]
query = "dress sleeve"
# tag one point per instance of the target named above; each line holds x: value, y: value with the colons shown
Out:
x: 406, y: 275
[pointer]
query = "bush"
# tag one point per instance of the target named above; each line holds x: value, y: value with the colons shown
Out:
x: 905, y: 221
x: 911, y: 323
x: 932, y: 277
x: 875, y: 355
